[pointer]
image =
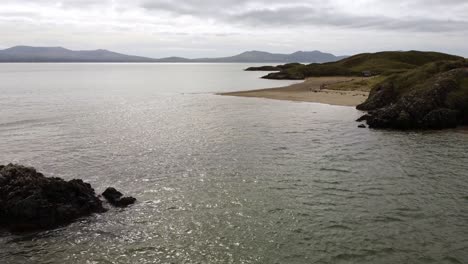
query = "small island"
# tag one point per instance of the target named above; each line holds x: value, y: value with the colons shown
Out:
x: 398, y: 90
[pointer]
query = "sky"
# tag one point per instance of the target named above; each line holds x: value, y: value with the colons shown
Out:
x: 212, y: 28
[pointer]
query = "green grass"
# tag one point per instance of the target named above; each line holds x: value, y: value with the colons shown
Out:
x: 358, y: 84
x: 381, y: 63
x: 420, y: 78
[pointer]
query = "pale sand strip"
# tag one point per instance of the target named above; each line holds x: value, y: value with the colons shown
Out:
x: 311, y: 90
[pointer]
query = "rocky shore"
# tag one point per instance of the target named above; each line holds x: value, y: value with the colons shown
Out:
x: 30, y: 201
x: 434, y: 96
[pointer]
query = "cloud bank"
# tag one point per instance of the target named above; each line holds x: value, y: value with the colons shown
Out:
x: 221, y: 27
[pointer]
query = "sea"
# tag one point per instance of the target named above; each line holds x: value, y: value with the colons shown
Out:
x: 223, y: 179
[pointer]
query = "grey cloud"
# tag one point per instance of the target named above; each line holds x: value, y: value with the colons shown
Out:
x: 297, y: 14
x: 308, y: 16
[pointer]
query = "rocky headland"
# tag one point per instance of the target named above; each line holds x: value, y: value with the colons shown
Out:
x: 407, y: 90
x: 434, y: 96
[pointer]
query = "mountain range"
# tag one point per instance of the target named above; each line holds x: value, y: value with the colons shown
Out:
x: 59, y: 54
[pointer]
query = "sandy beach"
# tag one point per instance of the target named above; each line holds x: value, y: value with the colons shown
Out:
x: 318, y: 90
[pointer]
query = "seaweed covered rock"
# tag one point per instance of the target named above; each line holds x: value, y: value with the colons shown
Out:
x: 30, y: 201
x: 434, y: 96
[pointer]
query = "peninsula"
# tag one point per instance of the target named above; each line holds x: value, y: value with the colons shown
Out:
x: 399, y: 90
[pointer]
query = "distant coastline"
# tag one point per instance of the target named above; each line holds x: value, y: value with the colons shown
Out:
x: 28, y: 54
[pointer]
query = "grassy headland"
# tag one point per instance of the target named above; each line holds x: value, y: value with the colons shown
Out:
x: 381, y: 63
x: 407, y: 90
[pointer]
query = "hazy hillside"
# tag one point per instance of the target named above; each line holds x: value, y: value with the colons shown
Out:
x: 59, y: 54
x: 261, y: 56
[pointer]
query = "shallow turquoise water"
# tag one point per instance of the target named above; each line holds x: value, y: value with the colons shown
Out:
x: 226, y: 179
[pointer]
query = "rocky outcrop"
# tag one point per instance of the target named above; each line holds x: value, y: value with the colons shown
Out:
x: 274, y: 68
x: 438, y: 102
x: 30, y: 201
x: 264, y: 68
x: 116, y: 198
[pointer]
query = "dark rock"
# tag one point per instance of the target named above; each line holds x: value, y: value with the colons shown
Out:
x: 362, y: 126
x: 440, y: 118
x: 362, y: 118
x: 112, y: 194
x: 438, y: 102
x: 284, y: 75
x: 30, y: 201
x: 116, y: 198
x: 274, y: 68
x: 264, y: 68
x: 381, y: 96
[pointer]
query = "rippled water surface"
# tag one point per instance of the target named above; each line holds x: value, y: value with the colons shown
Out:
x: 225, y: 179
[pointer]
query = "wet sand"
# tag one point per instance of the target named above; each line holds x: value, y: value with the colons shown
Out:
x: 311, y: 90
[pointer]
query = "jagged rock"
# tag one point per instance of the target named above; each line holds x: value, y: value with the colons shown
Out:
x: 31, y: 201
x: 362, y: 126
x: 381, y: 96
x: 441, y: 118
x: 424, y: 100
x: 116, y: 198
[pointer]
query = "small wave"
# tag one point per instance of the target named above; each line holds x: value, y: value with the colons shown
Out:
x: 453, y: 260
x: 387, y: 219
x: 25, y: 123
x: 336, y: 189
x: 283, y: 188
x: 327, y: 182
x: 340, y: 227
x: 21, y: 122
x: 275, y: 210
x: 348, y: 257
x: 335, y: 170
x: 280, y: 148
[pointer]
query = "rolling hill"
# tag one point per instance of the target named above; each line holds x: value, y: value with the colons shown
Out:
x: 384, y: 63
x: 59, y: 54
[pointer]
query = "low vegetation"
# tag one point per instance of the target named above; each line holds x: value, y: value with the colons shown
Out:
x: 381, y: 63
x: 357, y: 84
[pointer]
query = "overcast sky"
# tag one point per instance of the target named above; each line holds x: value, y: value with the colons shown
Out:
x: 199, y: 28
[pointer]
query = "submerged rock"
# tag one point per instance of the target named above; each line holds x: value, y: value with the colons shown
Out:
x: 116, y: 198
x: 30, y: 201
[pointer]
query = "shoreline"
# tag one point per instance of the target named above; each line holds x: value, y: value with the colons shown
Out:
x: 313, y: 90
